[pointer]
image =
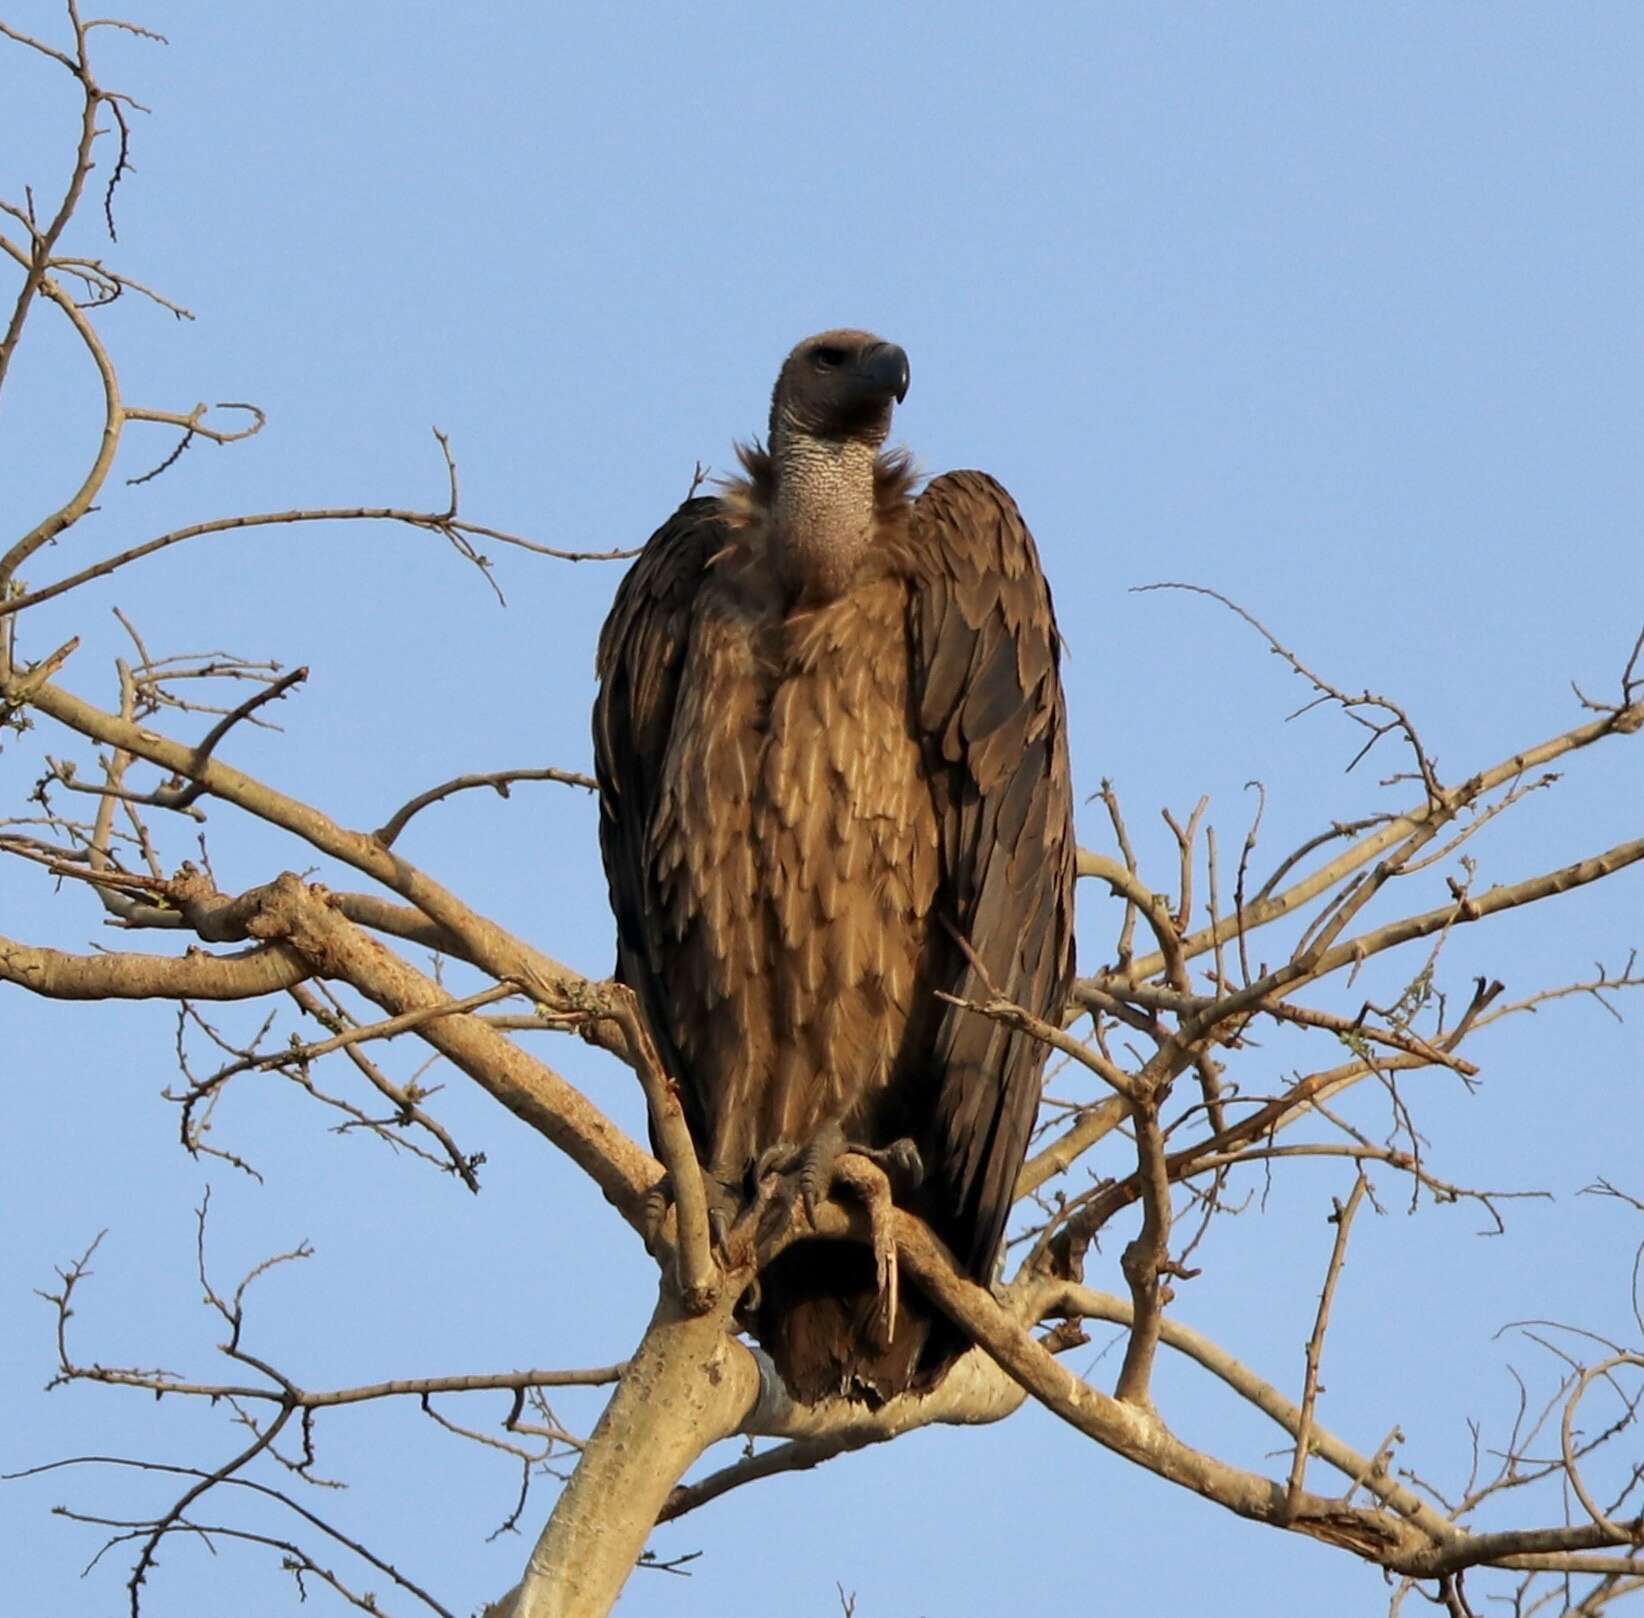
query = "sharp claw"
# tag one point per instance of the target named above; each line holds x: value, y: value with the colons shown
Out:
x: 654, y: 1212
x: 816, y: 1171
x: 777, y: 1159
x: 907, y: 1161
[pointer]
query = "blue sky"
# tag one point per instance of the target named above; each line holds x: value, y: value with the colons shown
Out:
x: 1334, y: 308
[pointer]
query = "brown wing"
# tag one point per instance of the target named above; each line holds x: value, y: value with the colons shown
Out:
x: 988, y: 701
x: 641, y: 650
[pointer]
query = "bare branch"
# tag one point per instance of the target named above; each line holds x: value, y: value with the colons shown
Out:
x: 458, y: 531
x: 195, y: 976
x: 194, y: 426
x: 80, y: 502
x: 187, y: 795
x: 1145, y: 1260
x: 1398, y: 720
x: 479, y: 940
x: 1093, y: 1124
x: 1342, y: 1218
x: 500, y: 780
x: 698, y: 1275
x: 526, y: 1086
x: 1394, y: 830
x: 1617, y: 1533
x: 251, y: 1486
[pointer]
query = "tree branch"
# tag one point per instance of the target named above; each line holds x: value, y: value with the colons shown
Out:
x: 1262, y: 911
x: 1343, y: 1220
x: 706, y: 1382
x: 500, y: 780
x: 195, y: 976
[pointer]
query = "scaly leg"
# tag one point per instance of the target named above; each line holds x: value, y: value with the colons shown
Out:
x: 829, y: 1160
x: 817, y: 1163
x: 868, y: 1179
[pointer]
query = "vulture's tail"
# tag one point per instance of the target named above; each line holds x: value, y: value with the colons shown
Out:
x: 821, y: 1319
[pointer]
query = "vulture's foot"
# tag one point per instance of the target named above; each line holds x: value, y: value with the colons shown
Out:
x: 653, y: 1213
x: 723, y: 1207
x: 818, y: 1165
x: 871, y: 1174
x: 871, y: 1183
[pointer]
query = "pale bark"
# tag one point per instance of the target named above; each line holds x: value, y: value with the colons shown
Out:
x: 483, y: 942
x: 58, y: 975
x: 526, y: 1086
x: 689, y: 1385
x: 1263, y: 910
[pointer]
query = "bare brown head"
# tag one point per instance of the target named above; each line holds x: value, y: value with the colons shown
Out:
x: 839, y: 385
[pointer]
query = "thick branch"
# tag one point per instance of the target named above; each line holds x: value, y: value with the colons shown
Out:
x: 1140, y: 1436
x: 527, y: 1087
x: 484, y: 943
x: 697, y: 1272
x: 195, y: 976
x: 1144, y: 1260
x: 1086, y: 1303
x: 689, y: 1385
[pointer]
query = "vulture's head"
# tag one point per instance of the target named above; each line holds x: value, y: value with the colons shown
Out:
x: 839, y: 385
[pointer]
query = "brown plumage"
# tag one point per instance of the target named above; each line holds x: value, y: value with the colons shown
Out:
x: 831, y: 743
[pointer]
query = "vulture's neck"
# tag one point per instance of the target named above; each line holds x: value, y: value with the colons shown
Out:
x: 821, y: 511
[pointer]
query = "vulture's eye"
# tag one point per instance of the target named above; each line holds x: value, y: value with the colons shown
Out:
x: 828, y: 358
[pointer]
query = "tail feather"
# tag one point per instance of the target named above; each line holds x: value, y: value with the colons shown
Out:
x: 821, y: 1320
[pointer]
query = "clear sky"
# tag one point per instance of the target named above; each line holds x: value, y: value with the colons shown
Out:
x: 1332, y: 307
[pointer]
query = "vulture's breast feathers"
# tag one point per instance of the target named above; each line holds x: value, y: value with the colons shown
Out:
x: 795, y: 841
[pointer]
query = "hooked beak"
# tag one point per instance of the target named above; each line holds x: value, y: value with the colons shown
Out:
x: 883, y: 370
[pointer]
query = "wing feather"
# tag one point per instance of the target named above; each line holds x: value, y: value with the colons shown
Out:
x: 641, y: 652
x: 989, y: 703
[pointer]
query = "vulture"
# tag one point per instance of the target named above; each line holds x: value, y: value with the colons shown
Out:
x: 834, y: 797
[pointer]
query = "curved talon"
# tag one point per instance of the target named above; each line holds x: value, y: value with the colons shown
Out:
x: 723, y: 1206
x: 784, y: 1173
x: 776, y: 1159
x: 901, y: 1161
x: 868, y: 1181
x: 719, y: 1230
x: 654, y: 1213
x: 817, y: 1167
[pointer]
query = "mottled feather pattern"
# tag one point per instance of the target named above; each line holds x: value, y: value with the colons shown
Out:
x: 798, y: 803
x: 793, y: 854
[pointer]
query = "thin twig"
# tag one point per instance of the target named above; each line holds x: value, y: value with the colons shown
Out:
x: 1343, y: 1221
x: 499, y: 780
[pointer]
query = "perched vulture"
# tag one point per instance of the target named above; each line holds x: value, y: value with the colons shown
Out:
x: 832, y: 758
